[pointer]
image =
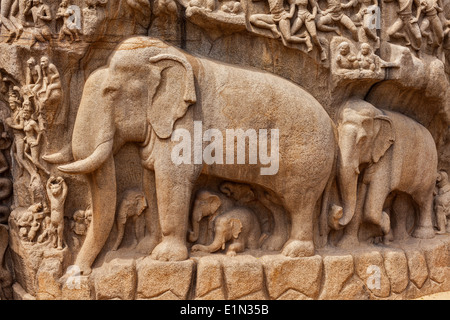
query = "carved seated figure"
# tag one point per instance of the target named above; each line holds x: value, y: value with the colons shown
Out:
x: 442, y: 203
x: 346, y: 59
x: 366, y: 59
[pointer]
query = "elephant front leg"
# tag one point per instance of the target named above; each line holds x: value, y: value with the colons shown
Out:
x: 173, y: 190
x: 373, y: 208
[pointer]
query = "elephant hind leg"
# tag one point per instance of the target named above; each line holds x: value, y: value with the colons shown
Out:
x: 301, y: 209
x: 424, y: 225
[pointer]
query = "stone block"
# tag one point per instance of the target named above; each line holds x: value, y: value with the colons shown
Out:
x: 298, y: 274
x: 158, y: 279
x: 116, y: 279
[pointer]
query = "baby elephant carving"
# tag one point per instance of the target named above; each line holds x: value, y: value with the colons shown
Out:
x: 238, y: 225
x: 132, y: 205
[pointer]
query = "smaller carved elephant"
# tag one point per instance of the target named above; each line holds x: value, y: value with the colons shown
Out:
x: 238, y: 225
x: 132, y: 205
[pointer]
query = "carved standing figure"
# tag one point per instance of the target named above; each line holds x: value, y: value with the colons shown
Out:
x: 57, y: 193
x: 304, y: 17
x: 405, y: 26
x: 171, y: 80
x: 366, y: 16
x: 442, y: 203
x: 132, y: 205
x: 278, y: 16
x: 431, y: 9
x: 334, y: 14
x: 70, y: 23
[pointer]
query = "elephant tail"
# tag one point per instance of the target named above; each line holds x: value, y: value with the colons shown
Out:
x: 323, y: 223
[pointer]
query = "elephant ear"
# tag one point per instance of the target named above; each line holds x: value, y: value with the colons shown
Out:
x: 385, y: 137
x: 214, y: 204
x: 171, y: 92
x: 236, y: 227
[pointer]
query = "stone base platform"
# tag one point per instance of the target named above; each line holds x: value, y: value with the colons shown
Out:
x: 403, y: 270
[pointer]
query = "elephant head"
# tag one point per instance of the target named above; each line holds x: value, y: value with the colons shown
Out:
x: 365, y: 134
x: 144, y: 90
x: 206, y: 205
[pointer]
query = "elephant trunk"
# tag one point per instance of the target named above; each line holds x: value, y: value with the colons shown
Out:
x: 348, y: 172
x: 91, y: 163
x: 218, y: 243
x: 196, y: 217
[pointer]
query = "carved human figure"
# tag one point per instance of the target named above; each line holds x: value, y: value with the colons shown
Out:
x: 132, y: 206
x: 69, y: 27
x: 366, y: 58
x: 41, y: 15
x: 304, y: 17
x: 238, y: 225
x: 334, y: 14
x: 33, y: 136
x: 50, y: 77
x: 9, y: 10
x: 431, y: 21
x: 33, y: 75
x: 442, y: 203
x: 57, y: 192
x: 279, y: 17
x: 345, y: 59
x: 16, y: 122
x: 405, y: 26
x: 366, y: 17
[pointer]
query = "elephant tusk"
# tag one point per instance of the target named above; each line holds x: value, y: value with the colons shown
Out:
x: 91, y: 163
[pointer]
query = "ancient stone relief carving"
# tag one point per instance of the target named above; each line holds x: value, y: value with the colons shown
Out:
x: 134, y: 139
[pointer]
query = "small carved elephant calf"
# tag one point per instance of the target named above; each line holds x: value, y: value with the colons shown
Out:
x: 238, y: 225
x: 132, y: 205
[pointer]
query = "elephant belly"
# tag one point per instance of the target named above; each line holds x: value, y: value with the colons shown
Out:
x: 233, y: 98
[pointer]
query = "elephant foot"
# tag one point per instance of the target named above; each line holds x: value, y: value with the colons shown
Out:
x: 298, y: 248
x: 170, y: 250
x: 348, y: 242
x: 274, y: 243
x: 423, y: 233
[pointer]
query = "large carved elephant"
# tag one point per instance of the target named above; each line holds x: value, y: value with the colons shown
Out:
x: 148, y: 90
x: 383, y: 152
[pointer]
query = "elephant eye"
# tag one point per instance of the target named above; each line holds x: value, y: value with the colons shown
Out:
x: 109, y: 90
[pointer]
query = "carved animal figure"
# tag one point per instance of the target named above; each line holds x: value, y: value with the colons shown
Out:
x: 240, y: 226
x: 377, y: 144
x: 162, y: 83
x: 132, y: 205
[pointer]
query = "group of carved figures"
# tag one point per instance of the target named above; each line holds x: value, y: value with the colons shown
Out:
x: 285, y: 22
x: 15, y: 13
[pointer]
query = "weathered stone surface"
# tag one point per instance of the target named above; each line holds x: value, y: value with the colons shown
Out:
x: 299, y: 274
x: 157, y: 279
x: 116, y: 279
x: 369, y: 267
x: 209, y: 281
x: 337, y: 271
x: 417, y: 266
x: 48, y: 286
x: 355, y: 289
x: 20, y: 294
x: 77, y: 288
x: 436, y: 255
x: 243, y: 276
x: 396, y: 266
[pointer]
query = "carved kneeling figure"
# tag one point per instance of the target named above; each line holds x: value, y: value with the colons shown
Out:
x: 238, y: 225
